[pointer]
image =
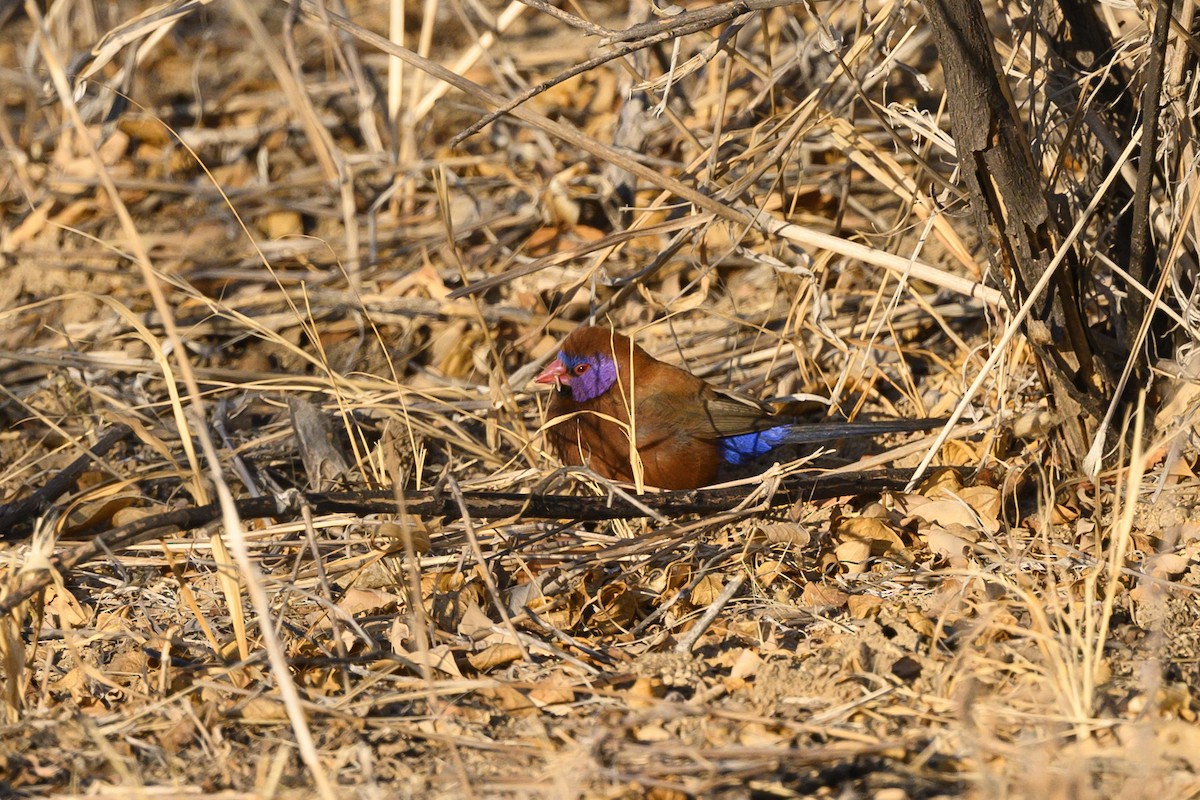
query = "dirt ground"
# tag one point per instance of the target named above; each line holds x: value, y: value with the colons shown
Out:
x: 239, y: 238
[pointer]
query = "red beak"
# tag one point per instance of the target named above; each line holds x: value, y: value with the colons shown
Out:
x: 554, y: 374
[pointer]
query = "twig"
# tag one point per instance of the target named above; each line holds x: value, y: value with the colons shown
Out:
x: 1143, y: 258
x: 809, y: 485
x: 484, y: 570
x: 25, y: 510
x: 686, y: 644
x: 638, y: 37
x: 736, y: 213
x: 570, y: 19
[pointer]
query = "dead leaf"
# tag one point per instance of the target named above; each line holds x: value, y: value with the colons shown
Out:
x: 556, y: 690
x: 786, y: 533
x: 941, y: 480
x: 439, y: 657
x: 674, y: 576
x: 279, y: 224
x: 1182, y: 396
x: 127, y: 515
x: 645, y: 691
x: 747, y: 664
x: 1062, y: 514
x: 95, y: 513
x: 665, y: 793
x: 263, y: 709
x: 475, y: 624
x: 769, y: 571
x: 652, y: 732
x: 450, y: 598
x: 509, y: 699
x: 615, y: 608
x: 950, y: 512
x: 29, y: 227
x: 986, y: 500
x: 1168, y: 565
x: 921, y: 623
x: 64, y: 608
x: 863, y: 537
x: 558, y: 614
x: 322, y: 456
x: 706, y: 590
x: 399, y: 635
x: 131, y: 662
x: 425, y: 281
x: 953, y: 543
x: 422, y: 541
x: 755, y: 734
x: 1188, y: 532
x: 817, y: 595
x: 365, y: 601
x: 853, y: 555
x: 498, y: 655
x: 861, y: 606
x: 453, y: 349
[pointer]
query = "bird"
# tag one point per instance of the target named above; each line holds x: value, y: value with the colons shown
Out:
x: 609, y: 392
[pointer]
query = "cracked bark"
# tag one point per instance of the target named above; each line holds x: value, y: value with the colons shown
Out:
x: 1008, y: 196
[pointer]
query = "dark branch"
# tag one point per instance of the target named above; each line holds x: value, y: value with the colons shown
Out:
x: 809, y: 485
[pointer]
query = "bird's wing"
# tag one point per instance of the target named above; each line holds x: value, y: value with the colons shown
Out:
x: 732, y: 414
x: 701, y: 413
x: 710, y: 413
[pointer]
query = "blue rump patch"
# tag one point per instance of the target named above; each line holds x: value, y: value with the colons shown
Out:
x: 737, y: 450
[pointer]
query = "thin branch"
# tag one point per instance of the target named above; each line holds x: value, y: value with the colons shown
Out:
x: 808, y: 485
x: 41, y: 500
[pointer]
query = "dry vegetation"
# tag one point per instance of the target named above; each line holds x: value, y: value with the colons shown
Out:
x: 222, y: 217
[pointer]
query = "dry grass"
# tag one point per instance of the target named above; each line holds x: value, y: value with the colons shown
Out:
x: 217, y: 214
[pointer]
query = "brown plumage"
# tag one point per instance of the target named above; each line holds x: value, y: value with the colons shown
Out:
x: 686, y: 429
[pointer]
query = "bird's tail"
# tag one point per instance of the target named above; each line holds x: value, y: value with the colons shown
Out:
x: 745, y: 447
x: 813, y: 432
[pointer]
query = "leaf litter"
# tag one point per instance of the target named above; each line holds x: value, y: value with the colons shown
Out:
x: 1011, y: 631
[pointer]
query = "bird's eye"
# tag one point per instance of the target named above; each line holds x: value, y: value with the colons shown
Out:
x: 581, y: 368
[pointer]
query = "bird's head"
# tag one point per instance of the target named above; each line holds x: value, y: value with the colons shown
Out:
x: 586, y: 367
x: 580, y: 377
